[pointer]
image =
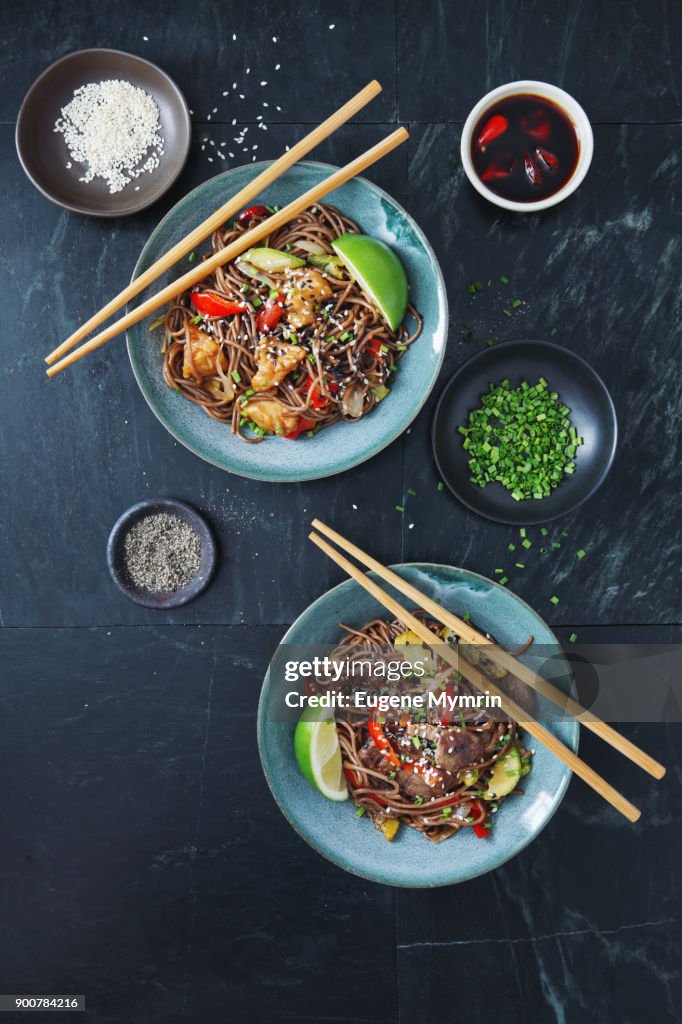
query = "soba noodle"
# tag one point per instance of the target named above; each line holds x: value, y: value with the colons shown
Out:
x: 378, y: 790
x: 341, y: 378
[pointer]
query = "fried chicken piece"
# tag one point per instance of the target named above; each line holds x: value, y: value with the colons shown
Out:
x: 204, y: 350
x: 275, y: 360
x: 304, y: 293
x: 270, y: 415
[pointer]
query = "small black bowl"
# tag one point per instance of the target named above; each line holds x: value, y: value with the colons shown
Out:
x: 163, y: 598
x: 44, y: 155
x: 580, y: 388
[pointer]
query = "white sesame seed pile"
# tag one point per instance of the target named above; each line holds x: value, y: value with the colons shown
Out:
x: 113, y: 128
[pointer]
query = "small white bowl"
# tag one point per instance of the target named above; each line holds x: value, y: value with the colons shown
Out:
x: 568, y: 105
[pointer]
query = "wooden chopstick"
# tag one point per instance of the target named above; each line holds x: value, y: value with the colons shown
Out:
x: 470, y: 635
x: 245, y: 241
x: 221, y: 215
x: 482, y: 683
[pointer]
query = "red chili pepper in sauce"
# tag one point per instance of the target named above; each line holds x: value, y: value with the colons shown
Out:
x: 494, y: 127
x: 550, y: 161
x: 532, y: 171
x: 500, y: 166
x: 537, y: 125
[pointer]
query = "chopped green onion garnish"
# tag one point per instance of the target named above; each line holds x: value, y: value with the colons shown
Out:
x: 196, y: 320
x: 580, y: 553
x: 235, y: 376
x: 503, y: 279
x: 192, y: 256
x: 554, y: 599
x: 572, y: 638
x: 400, y: 508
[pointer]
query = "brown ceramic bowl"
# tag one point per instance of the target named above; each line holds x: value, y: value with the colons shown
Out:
x: 43, y: 152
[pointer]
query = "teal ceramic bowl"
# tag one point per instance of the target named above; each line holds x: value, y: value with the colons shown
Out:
x: 343, y: 445
x: 410, y: 860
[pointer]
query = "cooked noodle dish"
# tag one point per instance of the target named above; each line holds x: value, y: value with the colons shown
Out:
x: 444, y: 768
x: 300, y: 332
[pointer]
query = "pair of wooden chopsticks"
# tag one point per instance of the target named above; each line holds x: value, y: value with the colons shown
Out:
x: 227, y: 211
x: 469, y: 635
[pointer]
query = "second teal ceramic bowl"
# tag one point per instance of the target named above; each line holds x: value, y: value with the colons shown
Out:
x: 343, y: 445
x: 411, y: 860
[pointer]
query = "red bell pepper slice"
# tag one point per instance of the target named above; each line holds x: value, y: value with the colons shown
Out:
x: 213, y: 304
x: 270, y: 315
x: 494, y: 127
x: 374, y: 348
x: 448, y: 712
x: 481, y: 828
x: 377, y: 733
x: 318, y: 400
x: 251, y: 213
x: 303, y: 424
x: 355, y: 782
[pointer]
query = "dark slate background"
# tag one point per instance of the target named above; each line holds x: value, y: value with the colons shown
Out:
x: 143, y: 861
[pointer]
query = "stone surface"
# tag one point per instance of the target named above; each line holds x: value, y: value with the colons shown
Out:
x: 145, y: 863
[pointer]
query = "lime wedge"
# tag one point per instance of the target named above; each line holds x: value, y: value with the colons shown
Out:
x: 316, y: 746
x: 378, y: 271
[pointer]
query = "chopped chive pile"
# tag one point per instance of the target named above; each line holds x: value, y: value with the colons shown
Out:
x: 522, y: 438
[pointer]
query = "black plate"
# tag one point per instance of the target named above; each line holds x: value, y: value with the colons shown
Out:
x: 580, y: 388
x: 43, y: 153
x: 166, y: 598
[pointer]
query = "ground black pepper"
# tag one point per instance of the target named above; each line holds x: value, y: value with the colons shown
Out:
x: 161, y: 553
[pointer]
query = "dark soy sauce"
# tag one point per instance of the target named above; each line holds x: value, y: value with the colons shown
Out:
x: 525, y: 148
